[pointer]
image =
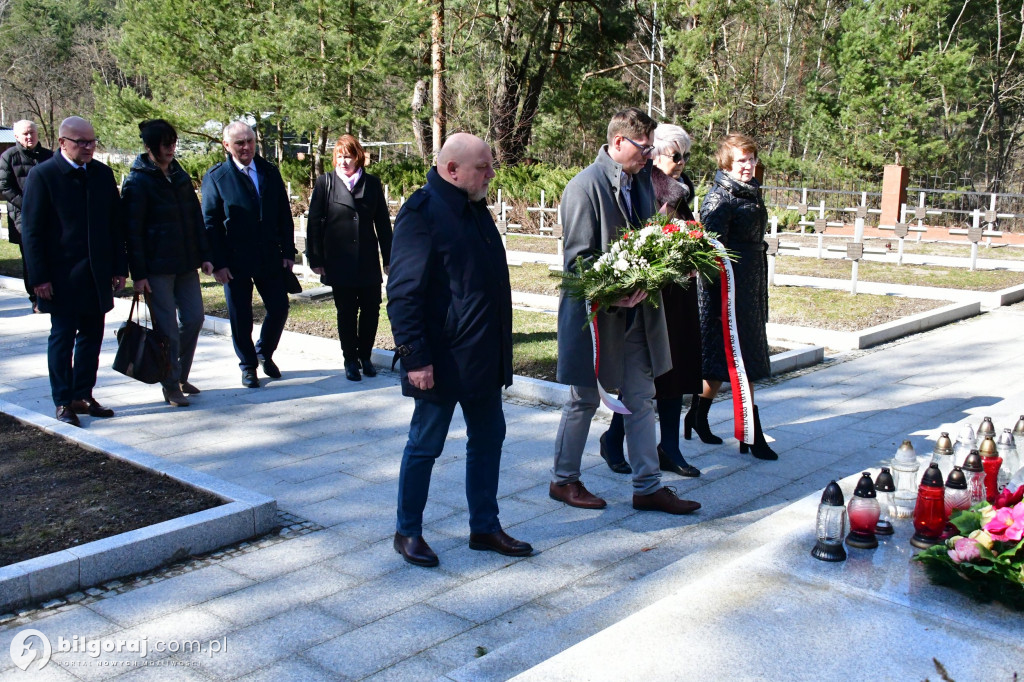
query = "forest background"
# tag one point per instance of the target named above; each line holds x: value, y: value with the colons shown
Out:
x: 829, y: 88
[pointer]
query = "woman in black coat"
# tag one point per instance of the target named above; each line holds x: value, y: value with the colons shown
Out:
x: 733, y: 208
x: 167, y: 241
x: 348, y: 224
x: 673, y: 192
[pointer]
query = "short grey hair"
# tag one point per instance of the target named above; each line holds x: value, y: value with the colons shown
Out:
x: 670, y: 138
x: 232, y: 127
x: 23, y: 123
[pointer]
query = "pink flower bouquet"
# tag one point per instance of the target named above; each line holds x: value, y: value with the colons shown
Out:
x: 986, y: 560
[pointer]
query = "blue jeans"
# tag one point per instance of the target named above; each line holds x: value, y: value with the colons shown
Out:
x: 485, y: 430
x: 79, y: 336
x: 238, y: 293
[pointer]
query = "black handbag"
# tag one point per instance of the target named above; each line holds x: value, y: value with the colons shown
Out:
x: 142, y: 353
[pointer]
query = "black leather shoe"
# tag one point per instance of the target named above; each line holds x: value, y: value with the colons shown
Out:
x: 270, y: 368
x: 500, y: 542
x: 188, y: 389
x: 368, y: 368
x: 249, y: 379
x: 618, y: 463
x: 415, y: 550
x: 67, y: 415
x: 666, y: 463
x: 91, y: 407
x: 352, y: 371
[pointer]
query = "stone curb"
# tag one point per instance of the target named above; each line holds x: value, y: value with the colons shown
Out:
x: 872, y: 336
x: 245, y: 514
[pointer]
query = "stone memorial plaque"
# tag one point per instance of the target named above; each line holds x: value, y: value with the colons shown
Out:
x: 854, y: 250
x: 773, y: 245
x: 920, y: 213
x: 990, y: 216
x: 802, y: 210
x: 862, y: 212
x: 901, y: 230
x: 502, y: 226
x: 974, y: 234
x: 820, y: 224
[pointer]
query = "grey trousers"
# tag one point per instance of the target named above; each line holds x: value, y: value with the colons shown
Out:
x: 641, y: 440
x: 177, y: 312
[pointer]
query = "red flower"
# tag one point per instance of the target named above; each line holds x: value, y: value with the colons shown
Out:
x: 1008, y: 499
x: 627, y: 235
x: 669, y: 228
x: 696, y: 234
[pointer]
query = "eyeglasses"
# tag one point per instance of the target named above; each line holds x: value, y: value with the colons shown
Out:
x: 677, y: 157
x: 645, y: 149
x: 84, y: 144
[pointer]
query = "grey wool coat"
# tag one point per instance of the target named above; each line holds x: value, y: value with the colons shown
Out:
x: 593, y: 216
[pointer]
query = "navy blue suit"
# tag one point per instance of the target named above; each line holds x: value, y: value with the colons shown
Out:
x: 250, y: 234
x: 73, y: 238
x: 450, y: 306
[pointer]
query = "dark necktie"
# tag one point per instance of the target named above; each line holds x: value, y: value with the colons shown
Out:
x: 81, y: 174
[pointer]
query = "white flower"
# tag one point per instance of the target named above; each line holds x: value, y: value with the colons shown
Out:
x: 621, y: 265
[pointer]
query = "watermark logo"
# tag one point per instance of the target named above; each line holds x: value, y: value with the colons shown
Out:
x: 23, y: 653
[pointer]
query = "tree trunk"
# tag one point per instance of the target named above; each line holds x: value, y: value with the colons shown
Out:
x: 437, y: 69
x: 421, y: 123
x: 319, y: 167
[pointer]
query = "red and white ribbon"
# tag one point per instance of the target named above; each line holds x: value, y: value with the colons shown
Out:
x: 742, y: 401
x: 611, y: 402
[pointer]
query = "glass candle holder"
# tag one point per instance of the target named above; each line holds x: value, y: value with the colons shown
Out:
x: 885, y: 487
x: 975, y: 472
x: 943, y: 454
x: 991, y: 461
x: 904, y: 470
x: 965, y: 442
x: 930, y: 511
x: 985, y: 429
x: 831, y: 525
x: 864, y: 512
x: 1006, y: 446
x: 957, y: 496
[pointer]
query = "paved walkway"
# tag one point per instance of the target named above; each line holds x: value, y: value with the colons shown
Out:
x: 338, y: 603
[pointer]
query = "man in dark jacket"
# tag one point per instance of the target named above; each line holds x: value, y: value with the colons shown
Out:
x: 75, y: 251
x: 249, y: 222
x: 15, y: 163
x: 450, y: 306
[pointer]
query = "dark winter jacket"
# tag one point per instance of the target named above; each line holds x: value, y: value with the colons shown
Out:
x: 15, y: 163
x: 73, y: 235
x: 346, y: 229
x: 249, y: 233
x: 736, y: 212
x: 449, y: 298
x: 164, y: 221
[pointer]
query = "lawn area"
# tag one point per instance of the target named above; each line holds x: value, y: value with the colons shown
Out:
x: 918, y: 275
x: 911, y: 245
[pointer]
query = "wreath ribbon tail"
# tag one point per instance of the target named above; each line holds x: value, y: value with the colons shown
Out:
x: 742, y: 401
x: 610, y: 401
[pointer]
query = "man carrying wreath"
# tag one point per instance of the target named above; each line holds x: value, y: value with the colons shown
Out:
x: 606, y: 199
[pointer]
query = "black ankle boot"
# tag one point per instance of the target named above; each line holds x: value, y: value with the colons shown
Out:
x: 611, y: 446
x: 760, y: 448
x: 697, y: 420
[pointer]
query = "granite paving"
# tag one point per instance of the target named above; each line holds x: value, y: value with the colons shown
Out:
x: 606, y: 594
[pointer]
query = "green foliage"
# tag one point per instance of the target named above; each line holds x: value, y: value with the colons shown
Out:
x: 403, y: 177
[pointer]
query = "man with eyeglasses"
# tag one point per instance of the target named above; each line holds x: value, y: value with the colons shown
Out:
x: 607, y: 198
x: 15, y: 164
x: 75, y: 253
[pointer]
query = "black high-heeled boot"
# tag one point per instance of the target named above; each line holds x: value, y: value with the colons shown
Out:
x: 611, y: 446
x: 669, y: 456
x: 760, y: 448
x: 697, y: 420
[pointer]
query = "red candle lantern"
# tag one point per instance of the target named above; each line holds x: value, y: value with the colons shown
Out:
x: 930, y: 511
x: 863, y: 512
x: 991, y: 461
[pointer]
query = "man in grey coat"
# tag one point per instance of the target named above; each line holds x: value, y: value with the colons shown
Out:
x: 608, y: 197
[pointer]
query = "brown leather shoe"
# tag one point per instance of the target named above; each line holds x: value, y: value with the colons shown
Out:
x: 500, y: 542
x: 575, y: 495
x: 664, y: 500
x: 175, y: 397
x: 415, y: 550
x: 91, y: 407
x: 67, y: 415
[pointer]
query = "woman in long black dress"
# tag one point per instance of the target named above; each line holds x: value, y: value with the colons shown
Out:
x: 349, y: 224
x: 674, y: 192
x: 733, y: 208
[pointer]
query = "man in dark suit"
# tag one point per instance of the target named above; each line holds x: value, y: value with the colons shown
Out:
x: 246, y: 211
x: 450, y: 306
x: 15, y: 164
x: 75, y: 254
